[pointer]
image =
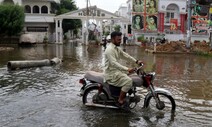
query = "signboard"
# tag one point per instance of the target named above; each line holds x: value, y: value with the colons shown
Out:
x: 200, y: 27
x: 200, y: 23
x: 144, y: 15
x: 174, y: 24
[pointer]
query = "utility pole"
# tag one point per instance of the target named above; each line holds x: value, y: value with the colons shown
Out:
x: 87, y: 8
x: 189, y: 25
x: 210, y: 18
x: 87, y: 12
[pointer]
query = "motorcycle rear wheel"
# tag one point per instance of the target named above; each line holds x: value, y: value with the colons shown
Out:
x: 92, y: 96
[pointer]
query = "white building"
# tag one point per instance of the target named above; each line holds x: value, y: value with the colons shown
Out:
x: 125, y: 21
x: 39, y: 18
x: 96, y: 15
x: 167, y: 13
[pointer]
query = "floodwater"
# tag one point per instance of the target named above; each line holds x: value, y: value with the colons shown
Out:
x: 49, y: 96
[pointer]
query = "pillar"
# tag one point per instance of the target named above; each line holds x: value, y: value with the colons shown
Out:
x: 161, y: 22
x: 84, y: 32
x: 101, y: 30
x: 182, y: 22
x: 56, y: 31
x: 60, y: 32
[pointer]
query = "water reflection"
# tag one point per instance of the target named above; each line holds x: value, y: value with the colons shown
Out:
x: 48, y: 96
x: 96, y: 117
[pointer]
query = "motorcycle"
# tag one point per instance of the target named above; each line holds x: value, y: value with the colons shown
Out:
x: 97, y: 93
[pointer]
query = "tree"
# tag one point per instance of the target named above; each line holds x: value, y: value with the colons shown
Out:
x: 12, y: 19
x: 68, y: 24
x: 8, y: 2
x: 117, y: 28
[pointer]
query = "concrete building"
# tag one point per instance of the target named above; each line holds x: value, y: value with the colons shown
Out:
x: 125, y: 20
x: 170, y: 17
x: 95, y: 15
x: 39, y: 18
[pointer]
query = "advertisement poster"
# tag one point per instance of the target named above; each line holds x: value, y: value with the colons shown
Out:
x: 199, y: 22
x: 144, y: 15
x: 200, y: 26
x: 151, y: 23
x: 174, y: 24
x: 137, y: 22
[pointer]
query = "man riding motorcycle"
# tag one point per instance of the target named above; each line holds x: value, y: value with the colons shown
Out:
x: 115, y: 73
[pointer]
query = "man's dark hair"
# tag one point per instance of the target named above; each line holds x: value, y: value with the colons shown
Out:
x: 114, y: 34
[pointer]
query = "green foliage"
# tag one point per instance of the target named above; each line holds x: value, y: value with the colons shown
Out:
x: 202, y: 53
x: 209, y: 22
x: 117, y: 28
x: 140, y: 38
x: 45, y: 39
x: 198, y: 8
x: 71, y: 24
x: 8, y: 2
x: 106, y: 33
x: 68, y: 5
x: 76, y: 31
x: 64, y: 7
x: 159, y: 37
x: 12, y: 19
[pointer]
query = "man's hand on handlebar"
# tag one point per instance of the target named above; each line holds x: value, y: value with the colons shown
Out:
x: 139, y: 62
x: 131, y: 70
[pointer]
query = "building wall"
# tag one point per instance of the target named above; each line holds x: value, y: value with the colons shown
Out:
x: 39, y: 4
x: 163, y: 4
x: 178, y: 10
x: 123, y: 12
x: 19, y: 2
x: 39, y: 24
x: 173, y: 7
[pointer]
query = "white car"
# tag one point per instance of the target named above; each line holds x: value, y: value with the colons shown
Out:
x: 108, y: 38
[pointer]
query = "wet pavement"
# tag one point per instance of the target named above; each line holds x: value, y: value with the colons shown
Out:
x: 49, y: 96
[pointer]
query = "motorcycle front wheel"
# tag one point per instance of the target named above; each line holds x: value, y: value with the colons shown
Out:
x: 92, y: 96
x: 166, y: 103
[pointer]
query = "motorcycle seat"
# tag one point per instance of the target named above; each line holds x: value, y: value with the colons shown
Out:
x: 95, y: 76
x: 99, y: 78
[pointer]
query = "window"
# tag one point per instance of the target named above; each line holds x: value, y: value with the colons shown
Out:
x: 44, y: 9
x: 37, y: 29
x: 27, y: 9
x: 98, y: 12
x: 172, y: 12
x: 169, y: 15
x: 103, y: 14
x: 36, y: 9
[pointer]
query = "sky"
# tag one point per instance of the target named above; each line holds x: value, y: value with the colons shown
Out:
x: 108, y: 5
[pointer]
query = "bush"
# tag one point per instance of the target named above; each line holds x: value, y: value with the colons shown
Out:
x: 140, y: 38
x: 12, y: 19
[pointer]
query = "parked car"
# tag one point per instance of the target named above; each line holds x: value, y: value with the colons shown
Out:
x: 103, y: 38
x: 108, y: 38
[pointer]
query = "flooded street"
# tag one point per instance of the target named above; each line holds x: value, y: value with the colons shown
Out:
x: 49, y: 96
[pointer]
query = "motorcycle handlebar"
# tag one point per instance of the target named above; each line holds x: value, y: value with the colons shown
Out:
x: 137, y: 68
x: 140, y: 66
